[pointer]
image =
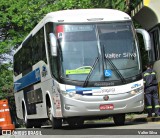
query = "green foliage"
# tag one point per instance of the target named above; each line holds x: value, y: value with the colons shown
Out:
x: 119, y: 4
x: 6, y: 80
x: 72, y: 4
x: 17, y: 19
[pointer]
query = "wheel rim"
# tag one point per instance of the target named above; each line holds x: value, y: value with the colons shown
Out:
x: 49, y: 113
x: 24, y: 116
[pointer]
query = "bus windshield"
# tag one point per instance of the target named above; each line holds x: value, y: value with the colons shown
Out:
x: 114, y: 45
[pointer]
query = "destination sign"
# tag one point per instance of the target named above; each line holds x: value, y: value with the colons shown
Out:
x: 78, y: 28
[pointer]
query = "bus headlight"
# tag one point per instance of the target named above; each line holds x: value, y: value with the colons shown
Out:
x: 71, y: 95
x: 136, y: 91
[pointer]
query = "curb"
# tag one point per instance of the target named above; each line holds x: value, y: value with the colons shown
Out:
x: 151, y: 119
x: 144, y: 118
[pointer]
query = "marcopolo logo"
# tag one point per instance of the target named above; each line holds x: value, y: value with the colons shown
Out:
x: 109, y: 90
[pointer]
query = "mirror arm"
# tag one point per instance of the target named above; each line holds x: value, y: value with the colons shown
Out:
x: 53, y: 44
x: 146, y: 38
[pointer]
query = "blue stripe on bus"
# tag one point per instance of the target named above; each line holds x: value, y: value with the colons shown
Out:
x: 83, y: 89
x: 27, y: 80
x: 80, y: 90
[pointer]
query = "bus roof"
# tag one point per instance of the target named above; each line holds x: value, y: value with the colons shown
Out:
x: 86, y: 15
x: 81, y: 15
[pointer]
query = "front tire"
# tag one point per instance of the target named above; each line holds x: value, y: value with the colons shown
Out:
x: 27, y: 122
x: 56, y: 123
x: 75, y: 122
x: 119, y: 119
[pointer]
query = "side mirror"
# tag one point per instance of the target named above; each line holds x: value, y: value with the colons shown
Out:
x: 146, y: 38
x: 53, y: 44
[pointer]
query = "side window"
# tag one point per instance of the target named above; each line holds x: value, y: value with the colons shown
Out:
x: 38, y: 46
x: 17, y: 64
x: 42, y: 45
x: 53, y: 60
x: 155, y: 39
x: 32, y: 51
x: 36, y: 49
x: 23, y: 59
x: 27, y: 58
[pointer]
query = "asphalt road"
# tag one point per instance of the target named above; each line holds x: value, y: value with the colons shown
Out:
x: 132, y: 128
x: 105, y: 128
x: 93, y: 130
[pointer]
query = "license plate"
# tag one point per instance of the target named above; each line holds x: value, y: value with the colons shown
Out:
x: 106, y: 107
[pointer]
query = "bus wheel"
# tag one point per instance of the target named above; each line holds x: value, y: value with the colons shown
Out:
x: 80, y: 122
x: 37, y: 123
x: 119, y: 119
x: 27, y: 122
x: 56, y: 123
x: 49, y: 114
x: 75, y: 122
x: 72, y: 123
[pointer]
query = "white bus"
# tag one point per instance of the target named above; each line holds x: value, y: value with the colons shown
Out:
x: 77, y: 65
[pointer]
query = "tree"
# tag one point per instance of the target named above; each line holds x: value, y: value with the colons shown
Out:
x: 19, y: 17
x: 6, y: 80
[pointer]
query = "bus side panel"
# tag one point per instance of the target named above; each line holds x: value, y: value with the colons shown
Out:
x: 18, y: 100
x: 37, y: 107
x: 37, y: 97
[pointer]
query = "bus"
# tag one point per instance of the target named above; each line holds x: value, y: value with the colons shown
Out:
x: 77, y: 65
x: 148, y: 10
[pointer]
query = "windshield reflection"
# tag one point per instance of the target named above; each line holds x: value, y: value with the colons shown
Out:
x: 82, y: 44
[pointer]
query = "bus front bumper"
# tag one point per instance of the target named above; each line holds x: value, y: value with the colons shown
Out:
x: 73, y: 107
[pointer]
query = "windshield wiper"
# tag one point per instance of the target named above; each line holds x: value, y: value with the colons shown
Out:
x: 114, y: 67
x: 117, y: 71
x: 90, y: 73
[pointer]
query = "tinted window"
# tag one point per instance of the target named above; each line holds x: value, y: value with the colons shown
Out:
x: 32, y: 51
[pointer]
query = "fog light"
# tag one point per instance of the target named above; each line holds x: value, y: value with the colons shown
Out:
x: 133, y: 92
x: 141, y: 102
x: 67, y: 107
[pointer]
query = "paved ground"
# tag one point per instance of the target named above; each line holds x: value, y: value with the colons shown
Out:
x: 144, y: 118
x: 133, y: 118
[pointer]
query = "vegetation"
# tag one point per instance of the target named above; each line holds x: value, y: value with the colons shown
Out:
x: 18, y: 18
x: 6, y: 80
